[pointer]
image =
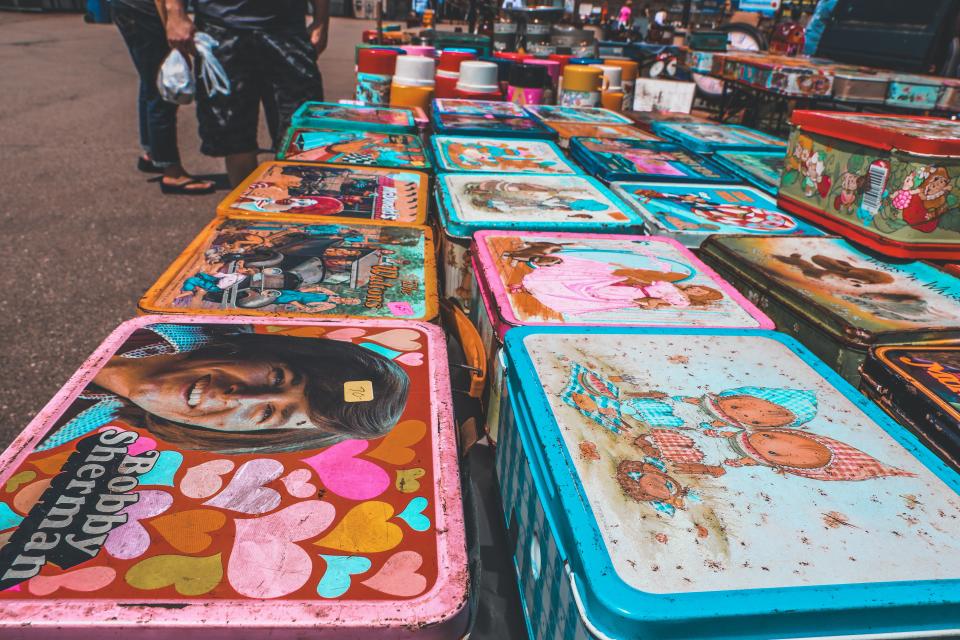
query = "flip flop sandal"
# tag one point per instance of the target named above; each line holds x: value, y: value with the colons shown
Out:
x: 147, y: 166
x: 181, y: 188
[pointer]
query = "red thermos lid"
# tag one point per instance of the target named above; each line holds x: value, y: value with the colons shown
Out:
x: 379, y: 61
x: 450, y: 60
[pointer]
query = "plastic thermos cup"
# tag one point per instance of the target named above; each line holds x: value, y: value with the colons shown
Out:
x: 611, y: 96
x: 478, y: 81
x: 527, y: 84
x: 631, y: 70
x: 581, y: 86
x: 375, y: 69
x: 413, y: 82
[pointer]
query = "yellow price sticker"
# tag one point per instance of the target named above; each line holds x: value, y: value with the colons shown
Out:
x: 357, y: 391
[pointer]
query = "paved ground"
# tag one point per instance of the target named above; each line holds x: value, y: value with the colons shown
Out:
x: 82, y: 233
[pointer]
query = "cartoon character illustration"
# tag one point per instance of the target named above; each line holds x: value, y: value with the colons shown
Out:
x: 897, y: 306
x: 500, y: 156
x: 807, y: 455
x: 648, y: 481
x: 851, y: 187
x: 820, y: 267
x: 536, y: 253
x: 922, y: 198
x: 506, y: 196
x: 680, y: 451
x: 357, y: 147
x: 814, y: 181
x: 747, y: 217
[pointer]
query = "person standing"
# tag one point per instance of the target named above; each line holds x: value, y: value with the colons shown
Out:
x: 142, y: 31
x: 266, y: 50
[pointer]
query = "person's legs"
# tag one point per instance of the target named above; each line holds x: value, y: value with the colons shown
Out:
x: 289, y: 62
x: 146, y: 39
x: 228, y: 124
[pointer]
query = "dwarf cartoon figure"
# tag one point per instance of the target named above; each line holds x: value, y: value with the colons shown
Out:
x: 922, y: 200
x: 807, y: 455
x: 814, y: 181
x: 851, y: 187
x: 648, y: 481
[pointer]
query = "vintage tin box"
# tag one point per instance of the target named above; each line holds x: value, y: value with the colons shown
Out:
x: 470, y: 202
x: 919, y: 385
x: 335, y: 191
x: 950, y: 95
x: 187, y: 481
x: 716, y: 484
x: 479, y: 108
x: 887, y: 182
x: 527, y: 278
x: 802, y: 81
x: 481, y: 125
x: 709, y: 138
x: 354, y: 117
x: 500, y: 155
x: 565, y: 131
x: 835, y: 299
x: 616, y: 159
x: 690, y: 212
x: 585, y: 115
x: 762, y: 169
x: 293, y: 266
x: 699, y: 61
x: 860, y: 85
x: 366, y: 148
x: 913, y: 91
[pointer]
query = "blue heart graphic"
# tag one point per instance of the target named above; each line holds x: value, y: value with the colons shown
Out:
x: 382, y: 350
x: 336, y: 579
x: 412, y: 515
x: 164, y: 469
x: 8, y: 518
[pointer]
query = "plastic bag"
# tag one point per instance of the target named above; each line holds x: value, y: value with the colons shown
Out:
x: 175, y: 80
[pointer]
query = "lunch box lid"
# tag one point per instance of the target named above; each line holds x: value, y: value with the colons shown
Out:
x: 913, y: 134
x: 753, y: 167
x: 202, y: 559
x: 861, y: 300
x: 483, y: 125
x: 703, y: 210
x: 543, y: 151
x: 398, y: 196
x: 520, y: 298
x: 352, y: 116
x: 596, y: 210
x: 643, y: 565
x: 711, y: 137
x: 411, y: 143
x: 611, y: 166
x: 371, y: 270
x: 585, y: 115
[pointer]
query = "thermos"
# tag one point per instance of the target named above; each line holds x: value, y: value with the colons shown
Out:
x: 553, y: 77
x: 375, y: 69
x: 478, y: 81
x: 527, y: 84
x: 413, y: 82
x: 581, y: 86
x: 630, y: 71
x: 611, y: 92
x: 448, y: 71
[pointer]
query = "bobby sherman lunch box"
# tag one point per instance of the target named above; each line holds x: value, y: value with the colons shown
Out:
x: 622, y: 159
x: 919, y: 385
x: 355, y: 147
x: 471, y: 202
x: 300, y: 266
x: 331, y: 192
x: 886, y: 182
x: 836, y: 300
x: 576, y: 279
x: 691, y: 212
x: 716, y: 484
x: 240, y: 478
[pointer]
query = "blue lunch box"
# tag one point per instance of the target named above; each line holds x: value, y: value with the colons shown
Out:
x: 716, y: 484
x: 712, y: 137
x: 613, y: 159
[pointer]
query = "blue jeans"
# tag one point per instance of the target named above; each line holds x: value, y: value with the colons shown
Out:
x: 147, y: 41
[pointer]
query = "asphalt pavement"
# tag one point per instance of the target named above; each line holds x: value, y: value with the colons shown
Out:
x: 82, y: 232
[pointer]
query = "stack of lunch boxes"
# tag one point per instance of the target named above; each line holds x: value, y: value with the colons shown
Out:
x: 663, y: 344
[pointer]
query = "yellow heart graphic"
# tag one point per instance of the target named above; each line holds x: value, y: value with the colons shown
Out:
x: 394, y: 448
x: 364, y: 530
x: 408, y: 480
x: 187, y: 531
x: 189, y: 576
x: 18, y: 479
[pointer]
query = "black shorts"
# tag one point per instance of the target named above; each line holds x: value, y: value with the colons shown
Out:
x: 276, y: 67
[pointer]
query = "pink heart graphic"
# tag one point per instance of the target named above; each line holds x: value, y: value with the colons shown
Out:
x: 246, y: 492
x: 87, y: 579
x: 345, y: 335
x: 265, y: 562
x: 398, y: 576
x: 131, y: 540
x: 346, y: 475
x: 298, y: 484
x: 203, y: 480
x: 399, y: 339
x: 411, y: 359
